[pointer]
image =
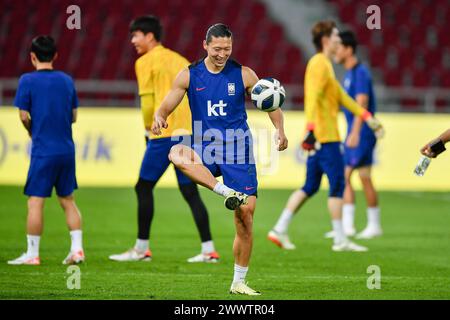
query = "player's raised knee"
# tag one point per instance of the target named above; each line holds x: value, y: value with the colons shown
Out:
x: 177, y: 155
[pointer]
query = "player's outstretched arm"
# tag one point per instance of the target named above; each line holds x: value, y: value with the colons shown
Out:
x: 317, y: 77
x: 250, y: 78
x: 436, y: 146
x: 277, y: 119
x: 171, y: 101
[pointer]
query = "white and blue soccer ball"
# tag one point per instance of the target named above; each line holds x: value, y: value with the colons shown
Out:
x: 268, y: 94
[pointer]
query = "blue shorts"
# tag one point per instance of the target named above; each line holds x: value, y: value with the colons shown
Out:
x: 329, y: 160
x: 48, y: 172
x: 361, y: 156
x: 156, y: 160
x: 239, y: 176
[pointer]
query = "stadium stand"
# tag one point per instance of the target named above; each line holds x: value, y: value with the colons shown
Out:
x: 406, y: 52
x: 101, y: 49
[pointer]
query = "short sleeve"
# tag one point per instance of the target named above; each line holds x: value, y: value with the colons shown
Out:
x: 362, y: 82
x: 23, y: 95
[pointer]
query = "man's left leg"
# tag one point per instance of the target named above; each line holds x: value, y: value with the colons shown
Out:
x: 373, y: 228
x: 199, y: 212
x: 242, y: 246
x: 348, y: 209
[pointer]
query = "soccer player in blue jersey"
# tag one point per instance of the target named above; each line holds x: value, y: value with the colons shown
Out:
x: 216, y: 87
x: 47, y: 103
x: 360, y: 142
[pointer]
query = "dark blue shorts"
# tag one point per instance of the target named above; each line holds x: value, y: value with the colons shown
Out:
x: 48, y: 172
x: 329, y: 160
x: 361, y: 156
x: 240, y: 175
x: 156, y: 160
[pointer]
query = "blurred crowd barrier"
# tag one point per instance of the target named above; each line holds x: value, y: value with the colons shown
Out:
x: 110, y: 145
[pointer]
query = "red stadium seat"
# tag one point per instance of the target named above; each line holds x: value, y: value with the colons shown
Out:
x: 414, y: 32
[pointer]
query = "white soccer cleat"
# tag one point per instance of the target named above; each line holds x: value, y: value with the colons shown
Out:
x: 132, y: 255
x: 281, y: 240
x: 76, y: 257
x: 212, y: 257
x: 348, y: 246
x: 370, y: 233
x: 350, y: 232
x: 24, y: 259
x: 242, y: 288
x: 235, y: 199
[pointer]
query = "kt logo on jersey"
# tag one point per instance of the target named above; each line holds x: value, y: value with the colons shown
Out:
x: 216, y: 109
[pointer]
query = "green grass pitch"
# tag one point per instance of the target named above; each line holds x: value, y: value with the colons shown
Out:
x: 413, y: 255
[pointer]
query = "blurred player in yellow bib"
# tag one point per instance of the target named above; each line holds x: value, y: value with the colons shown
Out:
x: 323, y: 97
x: 156, y: 69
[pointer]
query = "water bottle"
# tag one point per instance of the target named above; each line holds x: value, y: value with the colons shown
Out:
x: 422, y: 166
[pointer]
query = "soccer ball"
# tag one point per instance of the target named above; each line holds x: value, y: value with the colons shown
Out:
x: 268, y: 94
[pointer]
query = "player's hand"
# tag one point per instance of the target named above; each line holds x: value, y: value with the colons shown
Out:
x: 282, y: 141
x: 309, y: 142
x: 433, y: 148
x: 376, y: 126
x: 426, y: 151
x: 158, y: 124
x: 352, y: 140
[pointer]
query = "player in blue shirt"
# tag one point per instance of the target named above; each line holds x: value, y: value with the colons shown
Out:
x: 216, y: 87
x: 47, y: 103
x: 360, y: 141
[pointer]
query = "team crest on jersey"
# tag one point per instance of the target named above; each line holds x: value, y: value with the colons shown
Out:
x: 231, y: 89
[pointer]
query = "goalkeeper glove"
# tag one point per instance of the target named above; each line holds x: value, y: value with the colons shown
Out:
x: 309, y: 141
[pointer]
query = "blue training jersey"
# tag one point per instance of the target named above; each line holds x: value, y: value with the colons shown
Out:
x: 49, y: 96
x: 217, y: 102
x: 358, y: 80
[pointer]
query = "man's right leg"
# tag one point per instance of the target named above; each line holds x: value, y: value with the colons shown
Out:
x: 192, y: 196
x: 141, y: 250
x: 190, y: 163
x: 373, y: 228
x: 154, y: 164
x: 39, y: 185
x: 34, y: 232
x: 279, y: 234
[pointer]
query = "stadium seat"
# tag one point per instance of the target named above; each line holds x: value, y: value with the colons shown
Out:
x: 105, y: 31
x: 405, y: 52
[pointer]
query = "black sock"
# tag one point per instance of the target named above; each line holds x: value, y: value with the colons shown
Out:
x: 192, y: 196
x: 144, y: 193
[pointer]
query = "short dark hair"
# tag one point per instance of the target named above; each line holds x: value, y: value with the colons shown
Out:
x: 348, y: 39
x: 321, y: 29
x: 218, y: 30
x: 44, y: 47
x: 147, y: 24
